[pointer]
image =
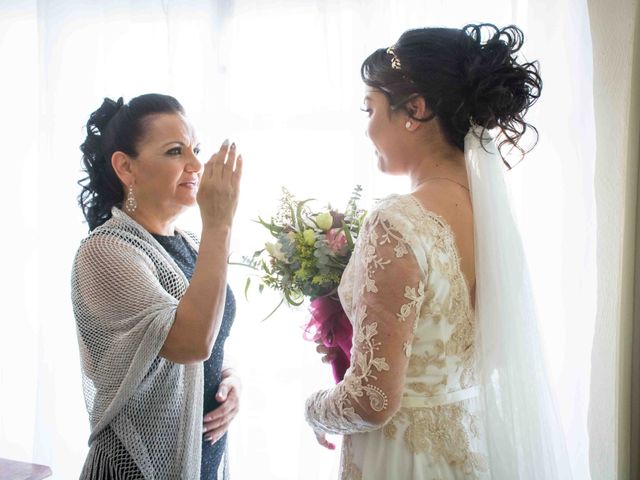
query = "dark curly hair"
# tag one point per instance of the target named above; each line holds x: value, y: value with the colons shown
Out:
x: 114, y: 127
x: 464, y: 78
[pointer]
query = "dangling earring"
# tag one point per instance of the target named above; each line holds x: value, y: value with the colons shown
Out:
x: 408, y: 124
x: 131, y: 204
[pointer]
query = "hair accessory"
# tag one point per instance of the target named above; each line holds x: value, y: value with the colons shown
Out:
x: 131, y: 204
x: 395, y: 61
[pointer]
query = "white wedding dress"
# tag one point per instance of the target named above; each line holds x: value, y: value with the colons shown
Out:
x: 408, y: 405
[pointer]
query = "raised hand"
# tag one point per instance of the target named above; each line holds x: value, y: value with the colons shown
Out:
x: 220, y: 186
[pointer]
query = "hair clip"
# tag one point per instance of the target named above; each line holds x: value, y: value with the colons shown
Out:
x: 395, y: 61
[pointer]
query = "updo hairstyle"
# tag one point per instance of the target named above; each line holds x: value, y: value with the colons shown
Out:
x: 469, y: 76
x: 114, y: 127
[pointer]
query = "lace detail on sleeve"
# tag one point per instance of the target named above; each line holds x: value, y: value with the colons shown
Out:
x: 388, y: 293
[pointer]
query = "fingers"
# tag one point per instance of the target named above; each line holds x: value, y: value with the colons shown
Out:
x: 219, y: 422
x: 216, y: 434
x: 327, y: 444
x: 225, y: 163
x: 230, y: 381
x: 223, y: 414
x: 224, y: 146
x: 237, y: 173
x: 222, y: 393
x: 328, y: 353
x: 228, y: 372
x: 224, y: 410
x: 221, y: 155
x: 219, y: 187
x: 213, y: 162
x: 322, y: 440
x: 225, y: 390
x: 229, y: 164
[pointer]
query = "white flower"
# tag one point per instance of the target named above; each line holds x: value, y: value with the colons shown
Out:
x: 275, y: 250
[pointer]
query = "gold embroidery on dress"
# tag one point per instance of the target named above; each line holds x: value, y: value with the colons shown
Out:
x: 440, y: 362
x: 435, y: 356
x: 390, y: 430
x: 441, y: 432
x: 432, y: 309
x: 429, y: 389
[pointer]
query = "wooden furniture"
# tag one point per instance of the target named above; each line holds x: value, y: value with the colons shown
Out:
x: 12, y: 470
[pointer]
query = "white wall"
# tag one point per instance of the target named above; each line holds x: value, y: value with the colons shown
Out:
x: 613, y: 26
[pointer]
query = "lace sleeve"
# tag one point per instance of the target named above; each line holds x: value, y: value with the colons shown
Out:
x: 388, y: 293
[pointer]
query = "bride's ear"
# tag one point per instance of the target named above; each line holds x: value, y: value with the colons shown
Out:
x: 417, y: 108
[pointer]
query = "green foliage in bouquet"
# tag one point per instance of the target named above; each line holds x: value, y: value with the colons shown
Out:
x: 310, y: 249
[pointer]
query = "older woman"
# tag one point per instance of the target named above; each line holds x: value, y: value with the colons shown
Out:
x: 151, y: 301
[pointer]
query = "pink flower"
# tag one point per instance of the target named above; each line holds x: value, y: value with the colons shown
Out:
x: 336, y: 240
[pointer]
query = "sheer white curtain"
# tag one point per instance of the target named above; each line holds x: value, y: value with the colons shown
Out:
x: 282, y: 80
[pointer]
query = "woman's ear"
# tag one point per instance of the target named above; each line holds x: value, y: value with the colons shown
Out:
x: 121, y: 163
x: 417, y: 108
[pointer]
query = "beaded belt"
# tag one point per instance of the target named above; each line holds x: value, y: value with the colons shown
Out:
x: 419, y: 401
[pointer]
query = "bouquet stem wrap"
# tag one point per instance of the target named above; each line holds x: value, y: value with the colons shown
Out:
x: 330, y: 324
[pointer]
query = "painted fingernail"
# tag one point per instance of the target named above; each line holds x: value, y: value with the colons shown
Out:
x: 233, y: 146
x: 226, y: 142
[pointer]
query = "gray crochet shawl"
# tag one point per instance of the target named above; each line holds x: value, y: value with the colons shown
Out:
x: 125, y: 292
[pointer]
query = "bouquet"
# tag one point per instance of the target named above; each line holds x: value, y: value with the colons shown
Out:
x: 305, y: 260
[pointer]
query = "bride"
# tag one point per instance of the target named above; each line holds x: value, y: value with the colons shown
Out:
x: 447, y: 379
